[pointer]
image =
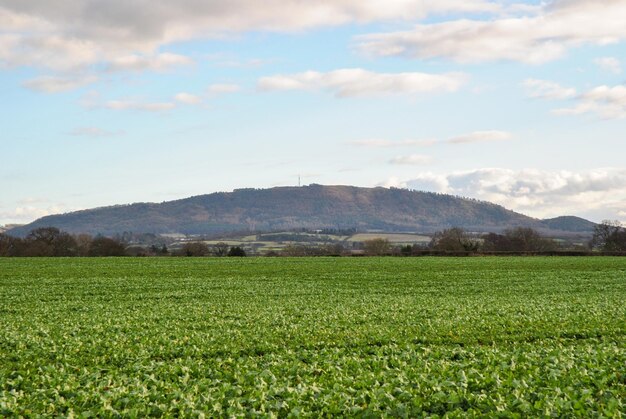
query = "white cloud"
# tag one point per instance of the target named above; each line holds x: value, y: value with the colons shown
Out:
x: 544, y: 89
x: 188, y: 98
x: 211, y: 92
x: 93, y: 100
x: 76, y: 33
x: 47, y: 51
x: 223, y: 88
x: 373, y: 142
x: 354, y: 82
x: 599, y: 193
x: 51, y: 84
x: 413, y: 159
x: 559, y: 26
x: 222, y: 60
x: 522, y: 8
x: 479, y: 137
x: 27, y: 213
x: 158, y: 62
x: 610, y: 64
x: 11, y: 21
x: 139, y: 106
x: 382, y: 143
x: 605, y: 101
x: 392, y: 182
x: 424, y: 181
x: 93, y: 132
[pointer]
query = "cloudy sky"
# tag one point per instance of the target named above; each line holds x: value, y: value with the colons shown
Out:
x: 116, y: 101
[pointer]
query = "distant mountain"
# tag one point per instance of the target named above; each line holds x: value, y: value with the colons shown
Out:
x: 287, y: 208
x: 9, y: 227
x: 569, y: 223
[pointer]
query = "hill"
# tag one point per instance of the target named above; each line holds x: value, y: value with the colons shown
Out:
x: 287, y: 208
x: 569, y: 223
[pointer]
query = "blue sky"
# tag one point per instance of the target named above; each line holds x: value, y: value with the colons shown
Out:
x: 112, y: 102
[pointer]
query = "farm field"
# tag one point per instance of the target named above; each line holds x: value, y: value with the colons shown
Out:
x: 392, y: 237
x: 403, y: 337
x: 261, y: 244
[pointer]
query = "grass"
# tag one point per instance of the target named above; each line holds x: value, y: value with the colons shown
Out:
x: 313, y: 336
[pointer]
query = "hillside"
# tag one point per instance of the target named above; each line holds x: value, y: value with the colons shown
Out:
x: 569, y: 223
x: 286, y: 208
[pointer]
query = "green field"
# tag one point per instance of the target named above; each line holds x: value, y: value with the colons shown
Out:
x: 303, y: 336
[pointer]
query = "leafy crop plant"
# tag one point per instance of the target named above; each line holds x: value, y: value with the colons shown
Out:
x: 310, y: 337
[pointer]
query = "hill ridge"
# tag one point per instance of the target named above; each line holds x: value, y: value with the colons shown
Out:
x: 293, y: 207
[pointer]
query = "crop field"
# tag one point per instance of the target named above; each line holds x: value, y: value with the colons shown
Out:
x: 392, y: 237
x: 369, y: 337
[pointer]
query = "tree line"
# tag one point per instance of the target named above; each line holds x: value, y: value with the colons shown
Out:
x: 521, y: 239
x: 51, y: 242
x: 609, y: 237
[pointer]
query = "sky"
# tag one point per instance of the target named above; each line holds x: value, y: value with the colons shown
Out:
x: 107, y: 102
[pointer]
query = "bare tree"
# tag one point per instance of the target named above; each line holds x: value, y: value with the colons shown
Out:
x: 493, y: 242
x: 195, y: 249
x: 376, y: 247
x: 10, y: 246
x: 104, y: 246
x: 609, y: 236
x: 220, y: 249
x: 332, y: 249
x: 524, y: 239
x: 294, y: 250
x: 454, y: 240
x: 83, y: 242
x: 50, y: 241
